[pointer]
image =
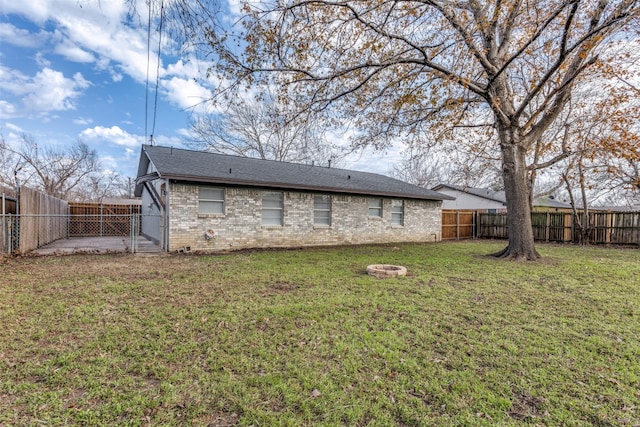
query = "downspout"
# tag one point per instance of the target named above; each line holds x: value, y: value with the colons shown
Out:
x: 166, y: 214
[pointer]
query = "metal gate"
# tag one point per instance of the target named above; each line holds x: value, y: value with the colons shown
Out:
x: 24, y: 233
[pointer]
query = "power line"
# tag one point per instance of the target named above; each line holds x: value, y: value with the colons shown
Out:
x: 155, y: 101
x: 146, y: 98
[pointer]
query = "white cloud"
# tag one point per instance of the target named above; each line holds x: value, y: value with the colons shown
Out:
x: 115, y: 76
x: 371, y: 160
x: 42, y: 61
x: 73, y: 53
x: 113, y: 135
x: 189, y: 69
x: 20, y: 37
x: 48, y: 90
x: 186, y: 93
x: 12, y: 127
x: 87, y: 29
x: 37, y: 11
x: 235, y: 7
x: 103, y: 33
x: 7, y: 110
x: 169, y: 141
x: 82, y: 121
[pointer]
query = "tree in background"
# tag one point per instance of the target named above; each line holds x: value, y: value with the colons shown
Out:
x: 263, y: 129
x: 429, y: 166
x: 601, y: 133
x: 69, y: 173
x: 404, y: 69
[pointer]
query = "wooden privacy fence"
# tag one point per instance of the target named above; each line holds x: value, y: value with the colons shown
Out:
x: 458, y: 224
x: 43, y: 219
x: 617, y: 228
x: 101, y: 220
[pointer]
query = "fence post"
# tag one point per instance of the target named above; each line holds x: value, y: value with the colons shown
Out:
x: 547, y: 231
x: 132, y: 231
x: 4, y: 225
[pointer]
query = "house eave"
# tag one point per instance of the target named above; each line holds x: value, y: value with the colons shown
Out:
x: 290, y: 186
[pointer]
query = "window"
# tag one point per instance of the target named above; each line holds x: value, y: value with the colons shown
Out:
x: 321, y: 209
x: 272, y: 208
x: 210, y: 200
x: 375, y: 208
x: 397, y: 212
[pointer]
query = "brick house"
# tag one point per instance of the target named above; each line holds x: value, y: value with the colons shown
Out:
x: 203, y: 201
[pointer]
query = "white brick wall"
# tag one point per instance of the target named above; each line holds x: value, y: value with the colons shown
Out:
x: 240, y: 226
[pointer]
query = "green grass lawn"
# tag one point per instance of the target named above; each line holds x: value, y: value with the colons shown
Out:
x: 305, y: 337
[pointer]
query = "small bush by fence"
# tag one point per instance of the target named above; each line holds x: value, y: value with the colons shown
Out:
x: 616, y: 228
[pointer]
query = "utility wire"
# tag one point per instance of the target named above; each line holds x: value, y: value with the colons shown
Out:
x: 155, y: 101
x: 146, y: 98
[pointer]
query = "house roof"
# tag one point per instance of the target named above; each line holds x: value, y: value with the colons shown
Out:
x: 485, y: 193
x: 205, y: 167
x: 499, y: 196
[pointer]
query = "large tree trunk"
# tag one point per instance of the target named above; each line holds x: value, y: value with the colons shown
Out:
x: 514, y: 173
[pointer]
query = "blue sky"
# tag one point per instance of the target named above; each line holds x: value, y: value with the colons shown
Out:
x: 74, y: 69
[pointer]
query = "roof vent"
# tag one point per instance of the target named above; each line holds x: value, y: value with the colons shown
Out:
x: 229, y: 170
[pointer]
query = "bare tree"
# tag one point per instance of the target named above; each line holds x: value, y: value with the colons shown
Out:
x: 55, y: 171
x: 11, y: 166
x: 428, y: 167
x: 264, y: 129
x: 99, y: 186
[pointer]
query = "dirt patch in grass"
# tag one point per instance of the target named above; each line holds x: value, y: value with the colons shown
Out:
x: 525, y: 406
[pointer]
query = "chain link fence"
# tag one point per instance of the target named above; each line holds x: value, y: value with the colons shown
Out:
x: 8, y: 234
x: 24, y: 233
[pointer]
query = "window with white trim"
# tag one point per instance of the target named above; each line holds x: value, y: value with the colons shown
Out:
x: 272, y: 208
x: 397, y: 212
x: 375, y: 208
x: 210, y: 200
x: 321, y: 209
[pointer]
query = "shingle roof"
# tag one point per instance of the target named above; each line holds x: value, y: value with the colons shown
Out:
x: 199, y: 166
x: 499, y: 196
x: 486, y: 193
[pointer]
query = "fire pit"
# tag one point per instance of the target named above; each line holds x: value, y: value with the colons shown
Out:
x: 385, y: 271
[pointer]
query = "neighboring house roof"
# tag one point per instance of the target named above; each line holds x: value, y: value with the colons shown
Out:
x: 634, y: 208
x: 486, y: 193
x: 550, y: 202
x: 499, y: 196
x: 199, y: 166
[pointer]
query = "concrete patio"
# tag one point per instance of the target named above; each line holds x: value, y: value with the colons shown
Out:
x: 96, y: 245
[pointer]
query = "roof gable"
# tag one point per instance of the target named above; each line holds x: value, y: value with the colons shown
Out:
x: 199, y: 166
